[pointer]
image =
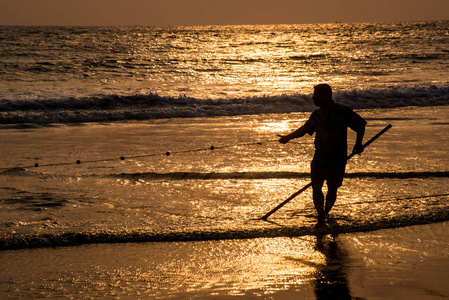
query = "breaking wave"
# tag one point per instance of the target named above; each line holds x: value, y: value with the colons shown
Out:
x: 154, y: 106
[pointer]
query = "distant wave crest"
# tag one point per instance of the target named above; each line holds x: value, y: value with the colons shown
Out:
x: 154, y: 106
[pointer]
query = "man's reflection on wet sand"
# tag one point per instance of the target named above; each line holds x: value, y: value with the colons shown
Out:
x: 331, y: 278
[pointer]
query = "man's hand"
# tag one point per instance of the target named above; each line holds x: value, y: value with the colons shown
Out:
x: 358, y: 149
x: 283, y: 139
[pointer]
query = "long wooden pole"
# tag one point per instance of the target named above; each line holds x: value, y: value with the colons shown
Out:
x: 265, y: 217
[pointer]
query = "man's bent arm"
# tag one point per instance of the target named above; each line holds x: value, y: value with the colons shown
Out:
x: 358, y: 147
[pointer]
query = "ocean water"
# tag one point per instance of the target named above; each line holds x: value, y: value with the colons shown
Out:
x: 89, y: 74
x: 128, y: 134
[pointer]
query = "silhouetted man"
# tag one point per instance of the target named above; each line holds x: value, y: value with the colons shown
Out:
x: 330, y: 123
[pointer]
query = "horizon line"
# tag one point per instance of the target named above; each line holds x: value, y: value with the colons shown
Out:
x: 209, y: 25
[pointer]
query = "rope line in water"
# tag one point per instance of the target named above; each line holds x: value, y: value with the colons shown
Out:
x: 122, y: 158
x: 311, y: 208
x: 395, y: 199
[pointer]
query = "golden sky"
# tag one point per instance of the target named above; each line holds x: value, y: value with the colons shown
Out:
x: 216, y: 12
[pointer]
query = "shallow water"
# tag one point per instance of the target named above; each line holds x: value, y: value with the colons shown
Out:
x: 401, y: 179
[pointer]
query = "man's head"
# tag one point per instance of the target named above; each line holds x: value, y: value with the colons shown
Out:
x: 322, y: 95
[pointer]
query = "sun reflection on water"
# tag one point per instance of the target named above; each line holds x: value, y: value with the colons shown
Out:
x: 258, y: 267
x: 254, y: 267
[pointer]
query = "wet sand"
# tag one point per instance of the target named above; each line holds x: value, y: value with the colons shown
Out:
x: 403, y: 263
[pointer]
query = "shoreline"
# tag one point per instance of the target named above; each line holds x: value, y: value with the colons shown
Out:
x: 263, y: 229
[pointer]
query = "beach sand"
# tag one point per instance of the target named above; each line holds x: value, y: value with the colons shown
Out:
x: 404, y: 263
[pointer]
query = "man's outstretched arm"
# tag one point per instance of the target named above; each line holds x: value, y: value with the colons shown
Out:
x: 301, y: 131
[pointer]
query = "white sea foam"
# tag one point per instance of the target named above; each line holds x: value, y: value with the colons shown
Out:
x: 153, y: 106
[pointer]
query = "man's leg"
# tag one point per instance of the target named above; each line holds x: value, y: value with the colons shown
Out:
x: 331, y: 197
x: 334, y: 181
x: 318, y: 198
x: 317, y: 173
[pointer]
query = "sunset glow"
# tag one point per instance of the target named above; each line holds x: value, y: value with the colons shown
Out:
x: 217, y: 12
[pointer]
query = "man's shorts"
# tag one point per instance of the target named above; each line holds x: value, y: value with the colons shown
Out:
x: 331, y: 171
